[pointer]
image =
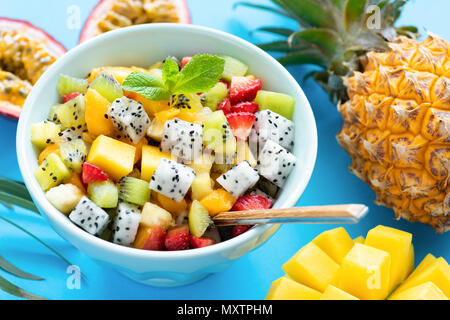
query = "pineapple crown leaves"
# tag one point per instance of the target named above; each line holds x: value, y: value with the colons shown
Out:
x: 199, y: 75
x: 15, y: 193
x: 334, y: 35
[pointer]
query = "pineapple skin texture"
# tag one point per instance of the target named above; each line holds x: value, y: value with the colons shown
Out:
x: 397, y: 128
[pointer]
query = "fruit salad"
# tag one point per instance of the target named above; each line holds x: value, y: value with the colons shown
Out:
x: 381, y: 266
x: 146, y: 158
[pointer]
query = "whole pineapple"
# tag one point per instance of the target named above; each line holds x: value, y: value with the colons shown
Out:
x: 392, y: 91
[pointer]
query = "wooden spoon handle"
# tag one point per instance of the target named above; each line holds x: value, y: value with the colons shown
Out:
x: 345, y: 213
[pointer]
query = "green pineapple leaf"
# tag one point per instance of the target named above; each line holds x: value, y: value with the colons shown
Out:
x: 265, y: 8
x: 309, y: 13
x: 14, y: 290
x: 353, y: 14
x: 15, y: 187
x: 326, y: 40
x: 12, y: 269
x: 278, y: 31
x: 281, y: 46
x: 308, y: 56
x: 10, y: 199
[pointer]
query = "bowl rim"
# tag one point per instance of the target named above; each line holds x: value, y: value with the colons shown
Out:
x: 68, y: 227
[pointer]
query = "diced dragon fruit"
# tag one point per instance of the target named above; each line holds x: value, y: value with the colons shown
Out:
x: 239, y: 179
x: 272, y: 126
x: 129, y: 118
x: 172, y: 179
x: 126, y: 224
x: 275, y: 163
x: 89, y: 216
x: 182, y: 139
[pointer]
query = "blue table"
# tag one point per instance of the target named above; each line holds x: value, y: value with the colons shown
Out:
x: 249, y: 277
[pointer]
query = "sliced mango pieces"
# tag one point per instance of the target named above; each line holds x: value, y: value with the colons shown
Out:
x: 378, y: 267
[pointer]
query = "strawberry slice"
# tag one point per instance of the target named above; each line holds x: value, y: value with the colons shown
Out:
x: 241, y: 123
x: 70, y: 96
x: 225, y: 106
x: 201, y: 242
x: 177, y: 238
x: 252, y: 202
x: 185, y: 61
x: 239, y: 229
x: 92, y: 173
x: 243, y: 89
x: 245, y: 107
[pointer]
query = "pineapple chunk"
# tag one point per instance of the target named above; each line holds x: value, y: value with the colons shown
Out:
x: 434, y: 270
x: 360, y: 239
x: 365, y: 272
x: 112, y: 156
x: 96, y: 109
x: 151, y: 156
x: 203, y: 163
x: 336, y: 243
x: 244, y: 153
x: 154, y: 215
x: 398, y: 244
x: 333, y: 293
x: 287, y: 289
x: 64, y: 197
x: 424, y: 291
x: 312, y: 267
x: 201, y: 186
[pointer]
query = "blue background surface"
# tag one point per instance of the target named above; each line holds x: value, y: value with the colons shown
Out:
x: 249, y: 277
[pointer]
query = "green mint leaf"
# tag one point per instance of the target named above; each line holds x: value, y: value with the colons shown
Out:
x: 147, y: 85
x: 170, y: 73
x: 200, y: 74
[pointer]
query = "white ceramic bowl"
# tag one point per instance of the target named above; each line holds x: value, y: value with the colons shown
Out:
x: 142, y: 46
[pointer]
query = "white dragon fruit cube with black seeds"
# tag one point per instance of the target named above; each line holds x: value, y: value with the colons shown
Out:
x: 172, y: 179
x: 90, y: 217
x: 275, y: 163
x: 182, y: 139
x: 126, y: 224
x: 239, y: 179
x: 270, y: 125
x: 129, y: 118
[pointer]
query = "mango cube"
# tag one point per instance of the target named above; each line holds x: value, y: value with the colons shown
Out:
x: 434, y: 270
x: 287, y: 289
x: 151, y: 156
x: 398, y: 244
x: 333, y: 293
x: 411, y: 261
x: 312, y: 267
x: 336, y: 243
x: 424, y: 291
x: 114, y: 157
x: 360, y: 239
x: 365, y: 273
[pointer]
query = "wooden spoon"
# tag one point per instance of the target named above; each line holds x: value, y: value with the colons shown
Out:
x: 345, y: 213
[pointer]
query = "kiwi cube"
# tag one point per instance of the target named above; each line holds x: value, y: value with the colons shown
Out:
x: 51, y: 172
x: 107, y: 86
x: 67, y: 85
x: 233, y: 68
x: 215, y: 95
x: 199, y: 219
x: 280, y: 103
x: 134, y: 190
x: 44, y: 133
x: 105, y: 194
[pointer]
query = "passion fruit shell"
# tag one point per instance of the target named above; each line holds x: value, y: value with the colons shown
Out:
x: 113, y: 14
x: 26, y: 51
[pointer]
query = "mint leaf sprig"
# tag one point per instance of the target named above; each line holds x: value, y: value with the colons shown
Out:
x: 199, y: 75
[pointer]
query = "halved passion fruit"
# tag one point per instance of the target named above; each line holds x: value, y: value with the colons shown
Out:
x: 25, y: 53
x: 113, y: 14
